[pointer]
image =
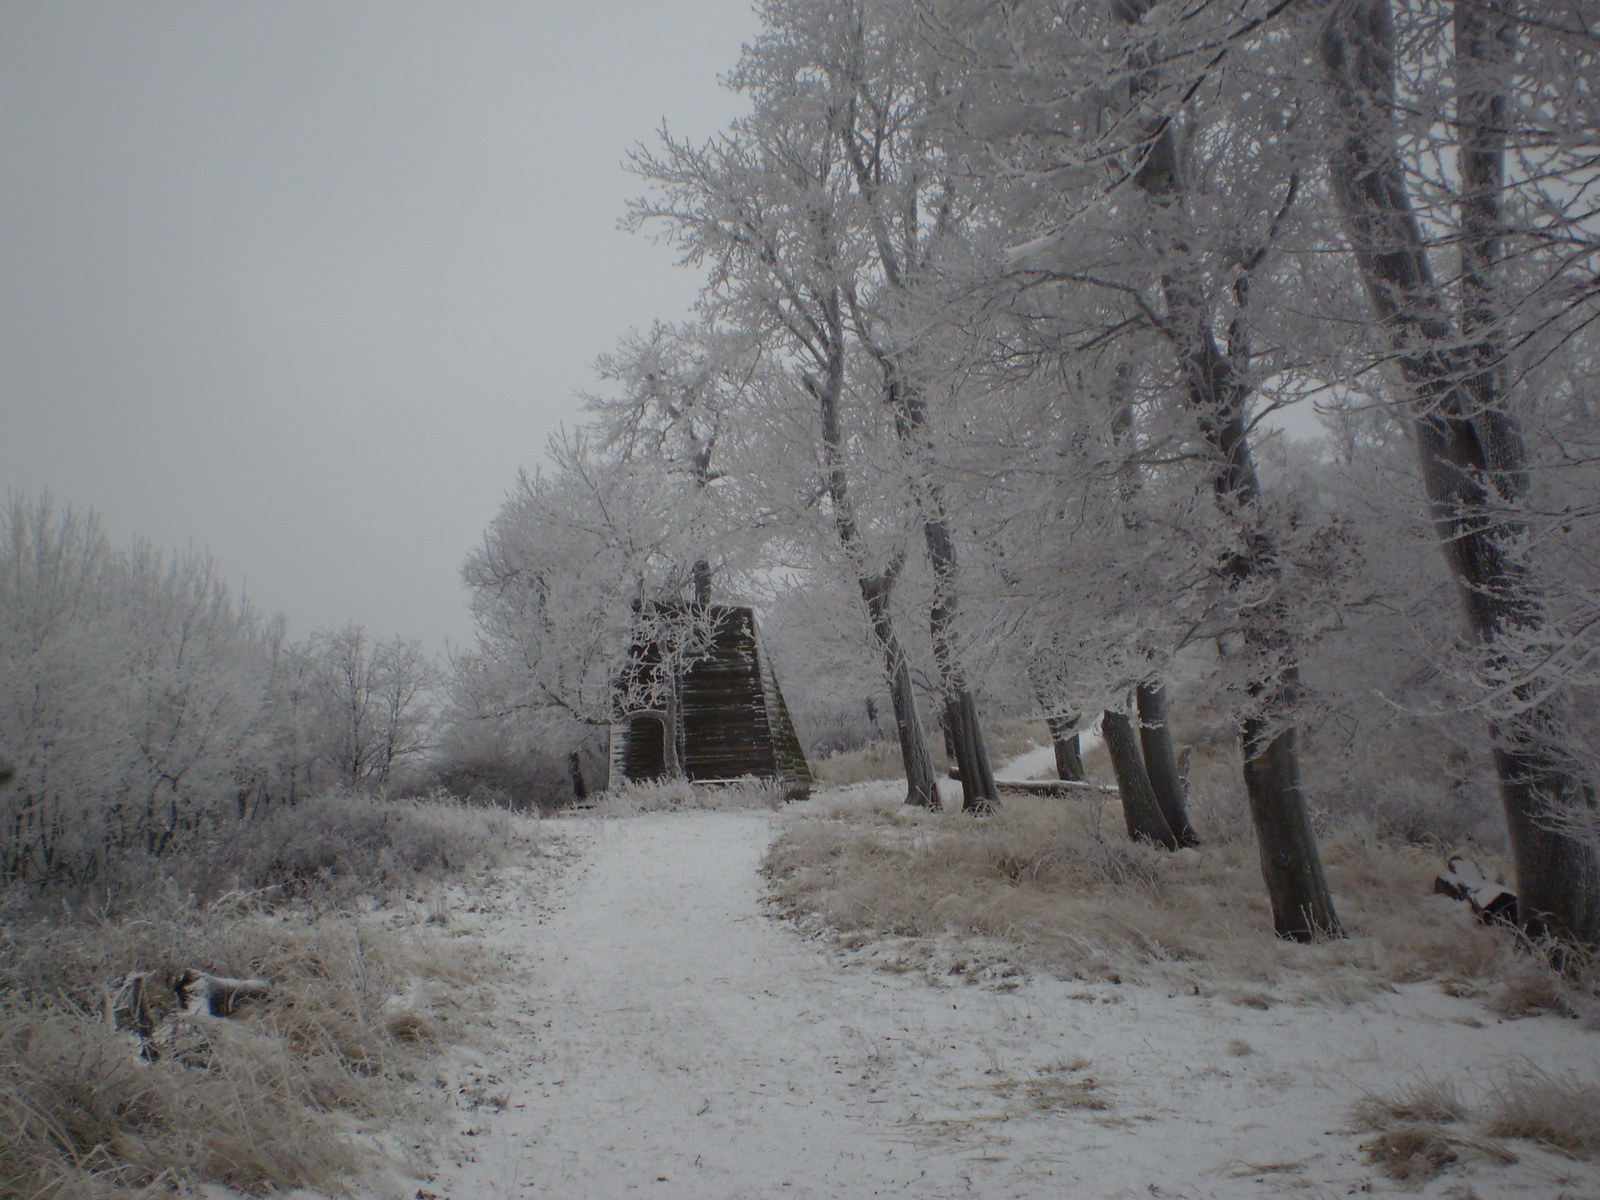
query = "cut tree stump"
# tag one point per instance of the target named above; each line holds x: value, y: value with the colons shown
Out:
x: 216, y: 995
x: 1490, y: 899
x: 153, y: 1004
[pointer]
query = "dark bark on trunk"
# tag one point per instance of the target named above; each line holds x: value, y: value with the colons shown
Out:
x: 922, y: 788
x: 1284, y: 836
x: 1474, y: 464
x: 1161, y: 761
x: 1218, y: 390
x: 1069, y: 755
x: 1140, y: 811
x: 979, y: 793
x: 910, y: 418
x: 580, y: 785
x: 702, y: 583
x: 966, y: 736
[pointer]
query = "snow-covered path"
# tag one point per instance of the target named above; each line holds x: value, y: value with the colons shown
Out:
x: 675, y: 1041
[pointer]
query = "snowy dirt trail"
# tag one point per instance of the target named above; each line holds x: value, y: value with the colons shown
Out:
x: 675, y: 1041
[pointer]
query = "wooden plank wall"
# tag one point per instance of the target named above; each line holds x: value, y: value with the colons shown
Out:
x: 734, y: 720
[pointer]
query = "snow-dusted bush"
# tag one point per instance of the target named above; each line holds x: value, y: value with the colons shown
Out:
x: 131, y: 692
x: 353, y: 841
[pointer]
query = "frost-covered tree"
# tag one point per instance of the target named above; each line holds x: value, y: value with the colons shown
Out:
x: 680, y: 389
x: 586, y: 562
x: 1140, y: 164
x: 762, y: 207
x: 1484, y: 111
x: 371, y: 705
x: 131, y: 688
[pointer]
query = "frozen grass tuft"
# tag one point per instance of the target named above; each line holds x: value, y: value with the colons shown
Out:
x: 1056, y: 1089
x: 272, y: 1098
x: 679, y: 795
x: 1421, y: 1126
x: 1561, y: 1111
x: 1054, y: 883
x: 1410, y: 1153
x: 1434, y: 1101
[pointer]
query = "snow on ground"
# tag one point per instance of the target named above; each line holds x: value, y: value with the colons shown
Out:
x: 1040, y: 761
x: 673, y: 1040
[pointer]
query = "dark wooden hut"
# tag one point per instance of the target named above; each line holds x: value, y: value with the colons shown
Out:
x: 726, y: 716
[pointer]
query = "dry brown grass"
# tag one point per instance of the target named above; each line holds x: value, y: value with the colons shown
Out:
x: 679, y: 795
x: 273, y: 1098
x: 1410, y: 1153
x: 875, y: 760
x: 1434, y: 1101
x: 1060, y: 1087
x: 1560, y: 1111
x: 286, y: 1093
x: 1053, y: 882
x: 1421, y: 1127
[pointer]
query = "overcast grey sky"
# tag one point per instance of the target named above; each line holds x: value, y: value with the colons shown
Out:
x: 304, y: 284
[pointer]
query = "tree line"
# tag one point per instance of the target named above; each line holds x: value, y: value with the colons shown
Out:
x: 996, y: 300
x: 145, y: 710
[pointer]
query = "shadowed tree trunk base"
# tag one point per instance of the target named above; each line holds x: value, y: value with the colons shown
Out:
x: 1069, y: 753
x: 1302, y: 907
x: 1161, y: 761
x: 922, y: 787
x: 1558, y: 874
x: 979, y: 793
x: 1140, y: 811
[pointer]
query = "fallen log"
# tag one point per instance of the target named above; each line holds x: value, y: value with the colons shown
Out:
x: 1054, y: 787
x: 1491, y: 901
x: 1046, y: 787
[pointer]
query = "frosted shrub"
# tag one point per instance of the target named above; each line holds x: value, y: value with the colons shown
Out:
x: 349, y: 840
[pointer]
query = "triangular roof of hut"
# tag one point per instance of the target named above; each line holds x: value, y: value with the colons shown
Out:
x: 732, y: 719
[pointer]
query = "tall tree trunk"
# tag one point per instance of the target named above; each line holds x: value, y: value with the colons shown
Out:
x: 1140, y: 811
x: 1218, y: 391
x: 1161, y: 761
x: 1155, y: 732
x: 979, y: 793
x: 922, y: 779
x: 922, y: 788
x: 1069, y: 754
x: 1302, y: 909
x: 906, y: 402
x: 1473, y: 462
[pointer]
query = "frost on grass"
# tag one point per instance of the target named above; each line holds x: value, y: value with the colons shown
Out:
x: 1049, y: 884
x: 1561, y: 1111
x: 1422, y: 1128
x: 679, y: 795
x: 297, y: 1087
